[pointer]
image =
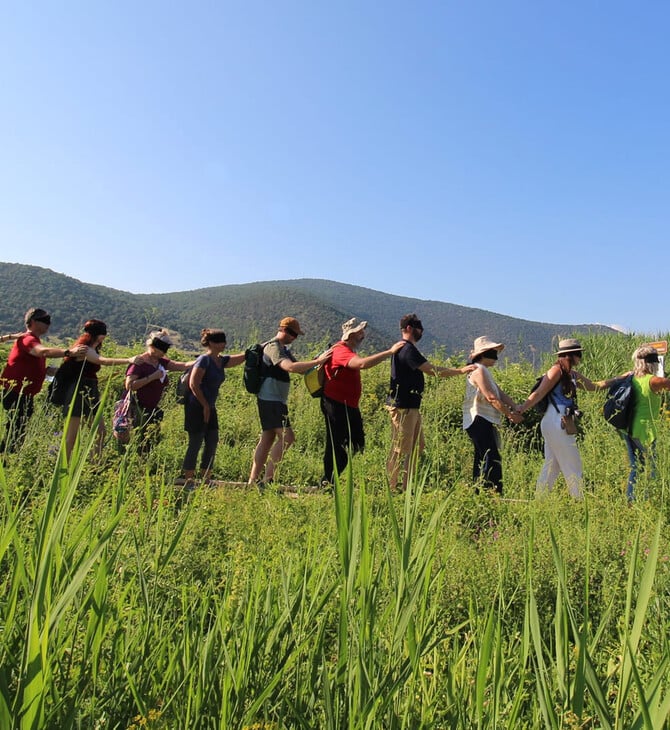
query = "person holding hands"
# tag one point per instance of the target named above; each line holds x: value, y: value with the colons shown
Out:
x: 485, y: 404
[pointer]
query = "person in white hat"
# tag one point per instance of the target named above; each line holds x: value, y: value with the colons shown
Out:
x: 484, y: 406
x: 341, y: 396
x: 559, y: 384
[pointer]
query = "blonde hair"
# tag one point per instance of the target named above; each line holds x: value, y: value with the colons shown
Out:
x: 640, y: 367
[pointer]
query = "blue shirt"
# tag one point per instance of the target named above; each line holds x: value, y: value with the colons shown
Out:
x: 213, y: 376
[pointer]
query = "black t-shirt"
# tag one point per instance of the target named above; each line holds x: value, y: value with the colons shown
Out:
x: 407, y: 381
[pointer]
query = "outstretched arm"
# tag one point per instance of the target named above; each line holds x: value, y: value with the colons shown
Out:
x: 500, y: 401
x: 443, y: 372
x: 304, y: 366
x: 549, y: 381
x: 363, y: 363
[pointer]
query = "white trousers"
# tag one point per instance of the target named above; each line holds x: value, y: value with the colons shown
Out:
x: 560, y: 455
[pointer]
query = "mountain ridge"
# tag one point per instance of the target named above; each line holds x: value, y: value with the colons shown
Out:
x: 251, y: 311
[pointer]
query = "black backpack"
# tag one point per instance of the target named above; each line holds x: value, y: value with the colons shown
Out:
x: 619, y: 406
x: 253, y: 368
x: 182, y: 389
x: 67, y: 374
x: 542, y: 405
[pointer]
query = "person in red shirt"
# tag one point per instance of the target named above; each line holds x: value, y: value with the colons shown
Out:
x: 342, y: 394
x: 23, y: 375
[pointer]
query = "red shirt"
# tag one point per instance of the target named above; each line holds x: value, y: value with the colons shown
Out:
x: 342, y: 383
x: 23, y: 370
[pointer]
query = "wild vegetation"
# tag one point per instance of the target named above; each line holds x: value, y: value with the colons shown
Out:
x: 126, y: 605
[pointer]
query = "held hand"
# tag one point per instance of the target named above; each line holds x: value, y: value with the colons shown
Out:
x: 468, y: 369
x: 515, y: 417
x: 79, y: 351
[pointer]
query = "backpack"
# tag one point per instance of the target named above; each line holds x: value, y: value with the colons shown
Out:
x: 182, y: 390
x: 59, y: 388
x: 123, y: 419
x: 619, y: 406
x: 542, y: 405
x: 315, y: 379
x: 253, y: 368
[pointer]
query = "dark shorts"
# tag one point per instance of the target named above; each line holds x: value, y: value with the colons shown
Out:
x: 273, y: 414
x: 86, y: 398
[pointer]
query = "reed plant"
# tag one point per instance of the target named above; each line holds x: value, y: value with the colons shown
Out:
x: 126, y: 605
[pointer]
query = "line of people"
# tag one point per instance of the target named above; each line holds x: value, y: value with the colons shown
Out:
x: 485, y: 403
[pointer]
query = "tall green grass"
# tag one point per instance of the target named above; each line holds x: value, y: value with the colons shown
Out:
x: 436, y: 609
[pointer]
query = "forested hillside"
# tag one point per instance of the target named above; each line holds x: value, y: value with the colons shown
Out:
x: 250, y: 312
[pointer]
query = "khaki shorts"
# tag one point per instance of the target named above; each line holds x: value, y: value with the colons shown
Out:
x: 406, y: 431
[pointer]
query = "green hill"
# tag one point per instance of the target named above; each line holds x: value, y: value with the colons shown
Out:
x: 249, y: 312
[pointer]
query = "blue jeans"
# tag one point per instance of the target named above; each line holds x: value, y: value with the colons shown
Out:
x: 637, y: 457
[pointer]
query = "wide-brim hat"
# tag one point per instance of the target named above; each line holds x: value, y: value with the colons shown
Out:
x: 353, y: 325
x: 565, y: 347
x: 484, y: 343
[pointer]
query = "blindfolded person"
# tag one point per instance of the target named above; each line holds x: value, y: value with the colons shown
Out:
x: 560, y: 384
x: 201, y: 420
x: 277, y: 434
x: 341, y: 397
x: 23, y: 375
x: 147, y: 379
x: 85, y: 360
x: 408, y: 367
x: 485, y: 404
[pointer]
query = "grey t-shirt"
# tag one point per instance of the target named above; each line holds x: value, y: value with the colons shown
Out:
x: 272, y: 388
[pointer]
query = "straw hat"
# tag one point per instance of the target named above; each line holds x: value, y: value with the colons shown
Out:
x: 482, y: 344
x: 565, y: 347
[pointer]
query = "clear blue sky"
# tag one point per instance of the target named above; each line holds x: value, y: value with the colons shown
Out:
x: 512, y: 156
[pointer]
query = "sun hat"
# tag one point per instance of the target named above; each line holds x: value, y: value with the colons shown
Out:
x: 565, y: 347
x: 483, y: 343
x: 291, y: 323
x: 353, y: 325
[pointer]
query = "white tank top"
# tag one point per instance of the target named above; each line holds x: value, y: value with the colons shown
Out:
x: 475, y: 404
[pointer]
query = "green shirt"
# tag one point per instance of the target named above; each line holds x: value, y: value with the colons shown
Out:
x: 647, y: 409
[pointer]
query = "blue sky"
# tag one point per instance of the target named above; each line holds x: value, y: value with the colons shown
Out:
x: 511, y: 156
